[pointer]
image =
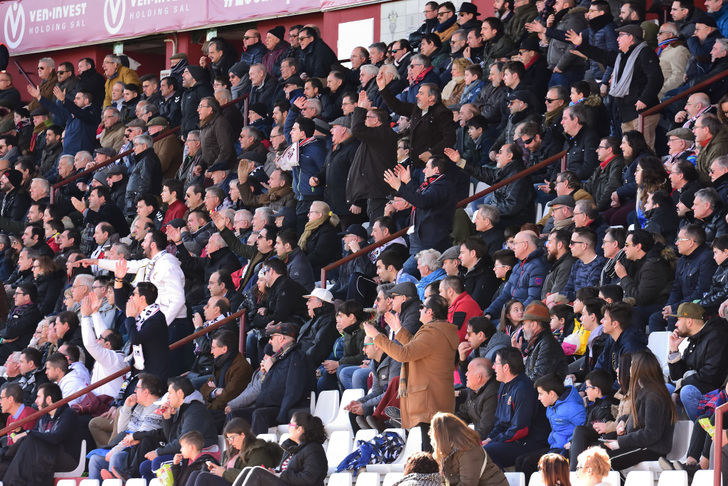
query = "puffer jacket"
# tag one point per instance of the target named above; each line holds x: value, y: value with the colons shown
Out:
x: 703, y: 363
x: 715, y: 224
x: 353, y: 344
x: 567, y: 413
x: 581, y: 156
x: 317, y: 336
x: 544, y: 356
x: 514, y: 201
x: 145, y: 176
x: 253, y: 54
x: 312, y: 155
x: 693, y: 276
x: 524, y: 284
x: 306, y: 464
x: 646, y: 278
x: 382, y: 373
x: 718, y: 290
x: 558, y: 55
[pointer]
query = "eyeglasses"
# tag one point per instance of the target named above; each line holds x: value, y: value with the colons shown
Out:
x: 413, y: 65
x: 528, y: 140
x: 62, y: 72
x: 20, y: 292
x: 551, y: 100
x: 602, y: 147
x: 573, y: 242
x: 442, y: 14
x: 246, y: 37
x: 681, y: 239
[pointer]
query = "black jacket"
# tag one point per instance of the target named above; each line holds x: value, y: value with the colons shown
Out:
x: 90, y: 81
x: 409, y: 315
x: 49, y: 288
x: 704, y: 363
x: 153, y: 338
x: 287, y: 384
x: 647, y: 278
x: 718, y: 291
x: 317, y: 336
x: 265, y: 93
x: 317, y: 59
x: 515, y: 200
x: 663, y: 220
x: 558, y: 275
x: 21, y: 325
x: 145, y: 176
x: 480, y: 282
x: 655, y: 425
x: 600, y: 410
x: 111, y: 214
x: 714, y: 225
x: 426, y: 28
x: 646, y: 81
x: 285, y: 303
x: 693, y: 276
x: 61, y: 430
x: 323, y: 246
x: 335, y: 173
x: 581, y: 155
x: 299, y: 269
x: 604, y: 181
x: 479, y: 407
x: 433, y: 213
x: 15, y: 204
x: 307, y: 464
x: 545, y: 356
x: 188, y: 105
x: 376, y: 154
x: 171, y: 109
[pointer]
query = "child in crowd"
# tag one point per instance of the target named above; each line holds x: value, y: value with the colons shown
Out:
x: 190, y: 458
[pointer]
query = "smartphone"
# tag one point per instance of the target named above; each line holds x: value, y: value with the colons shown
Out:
x: 602, y: 439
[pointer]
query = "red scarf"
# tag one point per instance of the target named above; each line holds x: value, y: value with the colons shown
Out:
x: 606, y: 162
x: 421, y: 76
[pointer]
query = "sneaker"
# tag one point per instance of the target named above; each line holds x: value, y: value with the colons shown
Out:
x: 665, y: 465
x: 106, y: 474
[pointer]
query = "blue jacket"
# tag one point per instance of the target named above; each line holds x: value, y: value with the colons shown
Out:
x: 631, y: 340
x: 408, y: 95
x: 693, y: 276
x: 583, y: 275
x: 80, y: 124
x: 433, y: 213
x: 438, y: 274
x: 564, y: 416
x: 518, y: 415
x: 287, y: 384
x: 253, y: 54
x: 524, y: 284
x: 471, y: 92
x: 721, y: 18
x: 311, y: 158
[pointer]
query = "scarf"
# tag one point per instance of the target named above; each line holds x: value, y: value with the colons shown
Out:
x: 450, y: 87
x: 623, y: 77
x: 442, y: 27
x: 552, y: 116
x: 145, y: 314
x: 311, y: 226
x: 422, y: 189
x: 421, y: 76
x: 223, y: 363
x: 661, y: 46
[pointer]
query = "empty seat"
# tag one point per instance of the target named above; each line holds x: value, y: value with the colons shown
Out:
x: 118, y: 482
x: 639, y: 478
x: 89, y: 482
x: 78, y: 471
x: 392, y: 478
x: 155, y: 482
x: 703, y: 478
x: 341, y: 479
x: 66, y: 482
x: 339, y: 447
x: 327, y: 405
x: 365, y: 435
x: 658, y: 343
x: 680, y: 440
x: 613, y: 478
x: 673, y: 478
x: 136, y: 482
x: 341, y: 421
x: 367, y: 479
x: 535, y: 479
x: 516, y: 478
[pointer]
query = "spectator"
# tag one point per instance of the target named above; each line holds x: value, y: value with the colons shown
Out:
x: 183, y: 412
x: 554, y: 469
x: 319, y: 239
x: 304, y: 462
x: 15, y: 201
x: 262, y: 86
x: 457, y: 449
x: 231, y: 373
x: 49, y: 280
x: 711, y: 140
x: 481, y: 397
x: 649, y: 429
x: 253, y: 48
x: 428, y: 25
x: 32, y: 374
x: 58, y: 372
x: 80, y: 116
x: 47, y: 446
x: 215, y: 134
x: 588, y: 265
x: 542, y: 352
x: 634, y: 89
x: 561, y: 260
x: 479, y: 280
x: 196, y: 82
x: 709, y: 211
x: 520, y: 426
x: 318, y: 334
x: 48, y: 80
x: 606, y: 177
x: 624, y: 338
x: 297, y: 264
x: 426, y: 358
x: 316, y: 57
x: 147, y: 329
x: 698, y: 369
x: 171, y: 99
x: 717, y: 291
x: 116, y: 72
x: 105, y: 350
x: 593, y: 466
x: 21, y: 321
x: 525, y: 283
x: 311, y: 161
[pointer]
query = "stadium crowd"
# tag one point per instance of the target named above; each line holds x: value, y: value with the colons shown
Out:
x: 525, y: 314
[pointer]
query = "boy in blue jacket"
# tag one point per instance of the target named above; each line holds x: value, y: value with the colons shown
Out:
x: 565, y: 411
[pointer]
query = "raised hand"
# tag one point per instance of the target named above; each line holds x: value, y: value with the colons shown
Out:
x: 364, y: 100
x: 59, y: 93
x: 381, y: 80
x: 219, y: 220
x: 574, y: 38
x: 33, y: 91
x: 391, y: 178
x: 452, y: 154
x: 120, y: 269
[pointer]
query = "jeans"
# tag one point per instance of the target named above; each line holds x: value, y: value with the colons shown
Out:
x: 689, y: 397
x: 359, y: 378
x: 97, y: 463
x: 344, y: 373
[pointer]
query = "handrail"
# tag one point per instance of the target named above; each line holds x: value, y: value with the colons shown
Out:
x: 464, y: 202
x: 683, y: 94
x: 113, y: 376
x: 158, y: 136
x: 718, y: 443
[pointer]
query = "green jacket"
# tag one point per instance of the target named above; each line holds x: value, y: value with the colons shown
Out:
x: 260, y: 453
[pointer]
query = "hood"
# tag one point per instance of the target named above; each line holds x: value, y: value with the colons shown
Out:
x: 198, y: 73
x: 195, y: 396
x: 571, y: 394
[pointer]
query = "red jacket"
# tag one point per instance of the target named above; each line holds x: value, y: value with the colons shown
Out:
x: 464, y: 303
x: 175, y: 210
x: 24, y: 412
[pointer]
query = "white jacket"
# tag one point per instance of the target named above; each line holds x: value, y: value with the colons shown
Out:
x: 164, y: 271
x: 108, y: 361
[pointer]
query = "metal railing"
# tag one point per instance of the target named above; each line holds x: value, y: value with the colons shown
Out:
x: 212, y: 327
x: 684, y: 94
x: 718, y: 443
x: 530, y: 170
x: 158, y: 136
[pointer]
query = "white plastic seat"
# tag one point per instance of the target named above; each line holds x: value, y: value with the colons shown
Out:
x: 136, y: 482
x: 283, y: 438
x: 658, y: 343
x: 268, y: 437
x: 673, y: 478
x: 116, y: 482
x: 66, y: 482
x: 392, y: 478
x: 680, y: 440
x: 613, y: 478
x: 341, y: 479
x: 78, y: 471
x: 341, y: 421
x: 313, y: 402
x: 327, y: 405
x: 535, y: 479
x: 639, y: 478
x: 339, y: 447
x: 516, y: 478
x: 367, y: 479
x: 155, y: 482
x: 365, y: 435
x: 89, y: 482
x: 703, y: 478
x: 413, y: 443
